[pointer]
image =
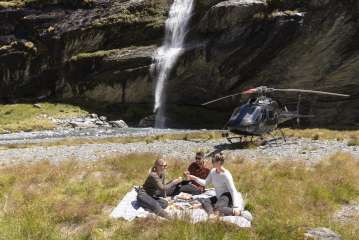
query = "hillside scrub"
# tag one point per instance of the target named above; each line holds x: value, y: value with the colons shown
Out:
x: 72, y: 199
x: 32, y: 117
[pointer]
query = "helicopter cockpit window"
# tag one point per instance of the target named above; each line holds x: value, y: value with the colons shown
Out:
x: 249, y: 113
x: 253, y: 114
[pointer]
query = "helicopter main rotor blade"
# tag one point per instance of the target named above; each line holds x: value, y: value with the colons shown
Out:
x: 310, y: 91
x: 220, y: 99
x: 248, y: 91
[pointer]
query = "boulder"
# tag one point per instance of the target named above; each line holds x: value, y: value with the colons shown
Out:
x: 93, y: 115
x: 230, y: 13
x: 347, y: 214
x: 103, y: 118
x: 85, y: 124
x: 321, y: 234
x: 318, y: 3
x: 148, y: 121
x: 118, y: 124
x: 111, y: 76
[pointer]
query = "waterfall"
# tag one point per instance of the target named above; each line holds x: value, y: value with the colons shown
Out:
x: 167, y: 55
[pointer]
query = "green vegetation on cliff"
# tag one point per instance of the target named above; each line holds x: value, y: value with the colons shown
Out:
x: 153, y: 14
x: 72, y: 200
x: 89, y: 55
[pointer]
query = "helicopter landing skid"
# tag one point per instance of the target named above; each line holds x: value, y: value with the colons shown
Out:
x: 274, y: 139
x: 242, y: 139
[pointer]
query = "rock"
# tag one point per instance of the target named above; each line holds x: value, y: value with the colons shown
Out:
x: 347, y: 214
x: 37, y: 105
x: 68, y: 30
x: 230, y: 13
x: 91, y: 121
x: 51, y: 29
x: 321, y: 234
x: 118, y: 124
x: 318, y: 3
x: 88, y: 124
x: 93, y: 115
x: 101, y: 123
x: 117, y: 75
x: 148, y: 121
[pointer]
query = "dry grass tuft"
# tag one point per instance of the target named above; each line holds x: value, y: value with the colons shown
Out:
x: 317, y: 133
x: 72, y: 200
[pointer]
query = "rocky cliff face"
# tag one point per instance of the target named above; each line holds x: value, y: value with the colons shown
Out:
x: 101, y: 51
x: 95, y: 51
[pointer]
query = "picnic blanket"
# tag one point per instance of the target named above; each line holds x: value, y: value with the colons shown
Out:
x: 129, y: 209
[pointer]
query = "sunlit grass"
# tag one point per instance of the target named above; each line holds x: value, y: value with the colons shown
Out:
x: 72, y: 200
x: 320, y: 133
x: 28, y: 117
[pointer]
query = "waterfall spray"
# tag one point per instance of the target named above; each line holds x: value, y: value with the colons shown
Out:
x: 167, y: 55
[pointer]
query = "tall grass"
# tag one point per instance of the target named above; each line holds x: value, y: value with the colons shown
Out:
x: 72, y: 200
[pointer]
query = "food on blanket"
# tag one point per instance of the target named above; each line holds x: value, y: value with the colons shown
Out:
x: 179, y: 207
x: 184, y: 196
x: 171, y: 207
x: 196, y: 205
x: 237, y: 212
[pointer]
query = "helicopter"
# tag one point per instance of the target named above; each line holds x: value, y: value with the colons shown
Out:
x: 262, y: 115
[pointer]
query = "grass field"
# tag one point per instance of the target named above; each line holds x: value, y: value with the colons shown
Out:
x: 30, y: 117
x: 72, y: 200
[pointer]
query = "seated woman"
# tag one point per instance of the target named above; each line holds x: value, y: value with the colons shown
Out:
x: 227, y: 201
x: 197, y: 169
x: 151, y: 195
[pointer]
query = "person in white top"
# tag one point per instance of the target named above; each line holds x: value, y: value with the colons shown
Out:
x: 228, y: 201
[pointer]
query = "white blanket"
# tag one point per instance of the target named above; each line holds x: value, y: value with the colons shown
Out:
x: 129, y: 209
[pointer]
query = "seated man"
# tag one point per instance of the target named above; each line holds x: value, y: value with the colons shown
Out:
x: 198, y: 169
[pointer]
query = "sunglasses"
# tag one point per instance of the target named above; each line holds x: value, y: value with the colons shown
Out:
x: 163, y: 165
x: 199, y: 158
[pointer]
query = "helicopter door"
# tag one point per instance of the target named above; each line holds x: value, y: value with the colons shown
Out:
x: 271, y: 117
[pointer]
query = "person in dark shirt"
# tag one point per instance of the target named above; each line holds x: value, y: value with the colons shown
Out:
x: 154, y: 190
x: 198, y: 169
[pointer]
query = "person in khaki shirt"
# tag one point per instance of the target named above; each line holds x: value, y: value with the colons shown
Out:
x: 151, y: 195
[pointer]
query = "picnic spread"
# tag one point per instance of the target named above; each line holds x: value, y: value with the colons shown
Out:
x: 184, y: 206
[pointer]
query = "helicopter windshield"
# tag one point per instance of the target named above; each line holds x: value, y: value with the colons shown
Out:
x: 247, y: 113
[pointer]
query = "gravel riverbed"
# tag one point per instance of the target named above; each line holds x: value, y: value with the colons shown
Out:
x: 310, y: 151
